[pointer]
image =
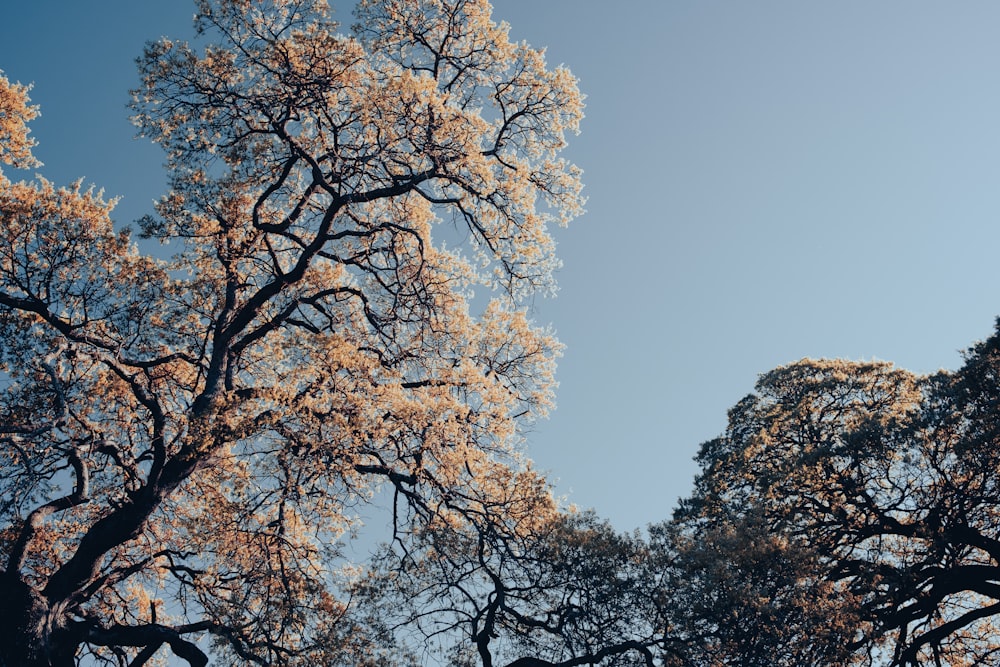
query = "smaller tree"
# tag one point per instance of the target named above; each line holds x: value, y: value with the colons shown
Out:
x: 567, y: 590
x: 742, y: 595
x: 880, y: 488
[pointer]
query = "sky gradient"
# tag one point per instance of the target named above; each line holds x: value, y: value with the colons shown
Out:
x: 767, y: 181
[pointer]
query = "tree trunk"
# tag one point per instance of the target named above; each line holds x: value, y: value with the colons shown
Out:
x: 34, y: 634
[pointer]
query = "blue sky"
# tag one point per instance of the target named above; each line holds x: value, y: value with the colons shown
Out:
x: 767, y: 181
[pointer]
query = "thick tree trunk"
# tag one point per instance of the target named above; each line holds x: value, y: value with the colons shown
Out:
x: 34, y: 634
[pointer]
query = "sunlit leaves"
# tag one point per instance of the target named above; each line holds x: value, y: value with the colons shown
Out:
x: 15, y: 114
x: 189, y: 440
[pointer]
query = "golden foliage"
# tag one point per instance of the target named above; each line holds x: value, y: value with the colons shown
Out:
x: 185, y: 443
x: 15, y: 114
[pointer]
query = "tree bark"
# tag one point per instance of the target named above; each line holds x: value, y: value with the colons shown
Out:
x: 35, y: 634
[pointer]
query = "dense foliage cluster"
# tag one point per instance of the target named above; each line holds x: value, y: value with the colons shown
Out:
x: 880, y: 490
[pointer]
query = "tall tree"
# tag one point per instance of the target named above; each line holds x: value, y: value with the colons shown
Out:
x: 881, y: 488
x: 184, y: 442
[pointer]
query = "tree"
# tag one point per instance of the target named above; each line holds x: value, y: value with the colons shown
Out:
x: 564, y: 591
x: 743, y: 595
x: 882, y: 486
x: 183, y: 442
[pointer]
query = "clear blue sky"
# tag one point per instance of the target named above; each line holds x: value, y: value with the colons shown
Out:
x: 766, y: 181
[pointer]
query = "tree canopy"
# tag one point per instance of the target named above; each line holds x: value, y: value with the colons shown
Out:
x: 186, y: 441
x: 878, y: 490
